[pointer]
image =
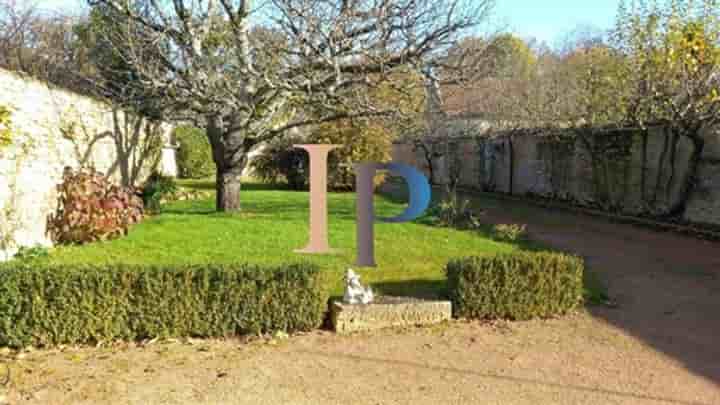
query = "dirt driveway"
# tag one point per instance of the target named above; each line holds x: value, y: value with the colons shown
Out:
x: 660, y: 345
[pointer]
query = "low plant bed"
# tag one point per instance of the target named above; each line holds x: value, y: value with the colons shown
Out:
x: 273, y: 223
x: 698, y: 230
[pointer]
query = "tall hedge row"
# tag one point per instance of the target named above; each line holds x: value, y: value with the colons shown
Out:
x: 515, y: 286
x: 49, y: 305
x: 194, y: 156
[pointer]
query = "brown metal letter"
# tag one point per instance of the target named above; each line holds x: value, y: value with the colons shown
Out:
x: 318, y: 198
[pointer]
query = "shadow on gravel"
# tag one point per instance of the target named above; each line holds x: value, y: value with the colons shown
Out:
x: 507, y: 378
x: 664, y: 288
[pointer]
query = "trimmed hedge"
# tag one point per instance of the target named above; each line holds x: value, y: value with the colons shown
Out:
x: 517, y: 286
x: 194, y: 157
x: 46, y: 306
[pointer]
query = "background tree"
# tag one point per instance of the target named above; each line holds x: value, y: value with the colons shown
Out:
x: 496, y: 103
x: 324, y: 54
x: 370, y: 139
x: 453, y: 107
x: 138, y: 132
x: 68, y: 51
x: 41, y: 43
x: 598, y: 93
x: 361, y: 139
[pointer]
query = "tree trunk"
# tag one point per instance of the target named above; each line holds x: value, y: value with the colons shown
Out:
x: 227, y: 186
x: 428, y: 154
x: 230, y: 149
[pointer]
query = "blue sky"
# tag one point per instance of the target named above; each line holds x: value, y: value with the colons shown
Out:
x: 547, y: 20
x: 550, y: 20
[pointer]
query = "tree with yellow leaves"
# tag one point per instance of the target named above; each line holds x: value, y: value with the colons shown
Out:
x: 364, y: 139
x: 361, y: 138
x: 672, y: 71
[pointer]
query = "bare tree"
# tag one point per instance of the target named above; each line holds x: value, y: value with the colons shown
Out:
x: 62, y: 50
x: 41, y: 44
x: 317, y: 55
x: 499, y: 104
x: 16, y: 23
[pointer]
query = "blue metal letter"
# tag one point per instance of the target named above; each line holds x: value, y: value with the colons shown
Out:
x: 419, y: 194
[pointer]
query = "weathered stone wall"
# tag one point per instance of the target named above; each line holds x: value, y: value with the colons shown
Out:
x: 53, y: 129
x: 704, y: 206
x: 643, y: 175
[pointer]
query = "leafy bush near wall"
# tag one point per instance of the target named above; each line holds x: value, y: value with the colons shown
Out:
x: 510, y: 232
x: 455, y: 213
x: 359, y: 142
x: 46, y: 306
x: 281, y: 162
x: 517, y: 286
x: 194, y: 157
x: 92, y: 208
x: 156, y: 188
x: 26, y: 253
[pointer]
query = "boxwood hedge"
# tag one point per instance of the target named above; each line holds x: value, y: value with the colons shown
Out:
x: 45, y: 305
x: 516, y: 286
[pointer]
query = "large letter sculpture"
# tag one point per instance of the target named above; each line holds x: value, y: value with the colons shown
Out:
x: 418, y: 190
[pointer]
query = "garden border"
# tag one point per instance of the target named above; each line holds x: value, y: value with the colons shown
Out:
x: 682, y: 229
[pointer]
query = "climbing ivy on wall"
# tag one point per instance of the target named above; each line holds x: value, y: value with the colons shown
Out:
x: 628, y: 170
x: 480, y: 162
x: 5, y: 126
x: 555, y: 152
x: 9, y: 209
x: 8, y: 222
x: 611, y: 161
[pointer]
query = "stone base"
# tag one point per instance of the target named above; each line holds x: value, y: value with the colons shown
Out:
x: 387, y: 312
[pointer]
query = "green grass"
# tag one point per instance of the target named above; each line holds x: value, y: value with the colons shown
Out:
x: 274, y: 222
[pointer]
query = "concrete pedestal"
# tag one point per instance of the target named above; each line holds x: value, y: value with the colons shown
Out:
x: 387, y: 312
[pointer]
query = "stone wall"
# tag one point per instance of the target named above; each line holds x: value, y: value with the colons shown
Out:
x: 53, y: 129
x: 704, y: 206
x: 643, y: 175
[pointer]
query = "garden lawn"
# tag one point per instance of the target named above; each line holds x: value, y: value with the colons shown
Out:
x: 274, y: 222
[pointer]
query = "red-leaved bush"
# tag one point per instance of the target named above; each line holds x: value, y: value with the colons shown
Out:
x: 92, y: 208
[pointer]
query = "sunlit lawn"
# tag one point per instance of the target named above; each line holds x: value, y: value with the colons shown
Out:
x: 273, y: 223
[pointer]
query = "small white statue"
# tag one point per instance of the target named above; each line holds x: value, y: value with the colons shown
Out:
x: 355, y: 293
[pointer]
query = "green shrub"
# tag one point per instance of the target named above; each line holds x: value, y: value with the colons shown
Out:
x: 194, y: 156
x: 36, y: 252
x: 454, y: 213
x: 516, y: 286
x: 360, y: 140
x: 279, y: 161
x: 156, y: 188
x: 51, y: 305
x: 91, y: 208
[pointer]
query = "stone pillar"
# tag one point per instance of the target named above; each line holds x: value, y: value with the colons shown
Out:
x: 168, y: 160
